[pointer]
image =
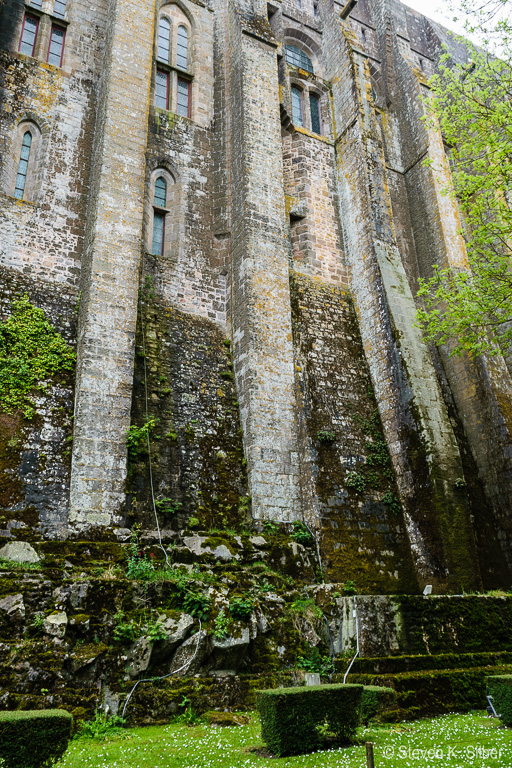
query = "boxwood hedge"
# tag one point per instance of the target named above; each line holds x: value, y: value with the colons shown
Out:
x: 34, y: 739
x: 291, y: 717
x: 500, y: 688
x: 375, y: 699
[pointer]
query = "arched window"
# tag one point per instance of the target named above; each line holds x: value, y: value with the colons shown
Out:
x: 182, y: 47
x: 21, y: 177
x: 159, y: 202
x: 297, y: 111
x: 314, y: 109
x: 297, y: 58
x: 164, y: 40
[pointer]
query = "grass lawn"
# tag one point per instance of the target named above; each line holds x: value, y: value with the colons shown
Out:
x: 456, y: 741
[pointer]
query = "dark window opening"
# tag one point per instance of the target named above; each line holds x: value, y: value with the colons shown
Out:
x: 314, y: 107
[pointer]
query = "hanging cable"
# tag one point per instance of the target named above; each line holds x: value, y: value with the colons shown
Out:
x: 141, y: 304
x: 357, y: 639
x: 169, y: 674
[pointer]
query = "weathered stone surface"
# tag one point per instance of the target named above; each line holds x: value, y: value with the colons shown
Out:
x: 197, y: 544
x: 55, y: 624
x: 191, y: 654
x: 177, y: 631
x: 139, y: 656
x: 12, y: 608
x: 253, y: 186
x: 228, y: 654
x: 19, y: 552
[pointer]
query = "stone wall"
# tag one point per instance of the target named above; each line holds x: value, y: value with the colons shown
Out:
x: 287, y: 277
x: 345, y: 467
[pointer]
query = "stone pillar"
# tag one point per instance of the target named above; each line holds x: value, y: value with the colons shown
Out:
x: 481, y: 388
x: 108, y: 309
x: 418, y: 431
x: 261, y: 314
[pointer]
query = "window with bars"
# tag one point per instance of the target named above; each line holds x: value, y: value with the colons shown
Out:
x: 162, y: 89
x: 164, y: 40
x: 28, y: 35
x: 56, y: 49
x: 314, y: 108
x: 182, y: 47
x: 59, y: 8
x: 297, y: 114
x: 36, y: 3
x: 21, y: 177
x: 297, y: 58
x: 183, y: 105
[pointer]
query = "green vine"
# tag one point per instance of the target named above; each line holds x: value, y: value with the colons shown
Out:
x: 31, y: 351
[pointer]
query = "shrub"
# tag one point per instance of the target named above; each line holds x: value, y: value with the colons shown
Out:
x: 292, y: 718
x: 301, y: 534
x: 240, y: 608
x: 101, y: 727
x: 31, y: 351
x: 500, y: 688
x: 313, y: 661
x: 34, y: 739
x: 349, y: 588
x: 375, y: 699
x: 325, y: 436
x: 197, y: 604
x: 137, y: 438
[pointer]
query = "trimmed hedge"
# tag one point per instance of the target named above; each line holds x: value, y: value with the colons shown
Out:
x: 435, y: 692
x: 500, y: 688
x: 375, y: 699
x: 394, y: 665
x: 34, y: 739
x: 290, y: 717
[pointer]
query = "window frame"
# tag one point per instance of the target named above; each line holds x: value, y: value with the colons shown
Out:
x: 296, y: 57
x: 188, y: 83
x: 295, y: 89
x: 178, y: 46
x: 159, y: 214
x: 25, y: 160
x: 57, y: 13
x: 164, y: 20
x: 314, y: 97
x: 37, y: 20
x: 166, y: 73
x: 63, y: 30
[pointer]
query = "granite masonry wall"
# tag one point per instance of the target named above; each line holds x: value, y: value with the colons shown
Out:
x: 273, y: 334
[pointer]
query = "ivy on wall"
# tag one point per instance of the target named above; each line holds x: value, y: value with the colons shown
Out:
x: 31, y: 351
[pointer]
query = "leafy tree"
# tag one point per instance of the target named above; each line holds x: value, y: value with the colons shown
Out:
x: 473, y: 102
